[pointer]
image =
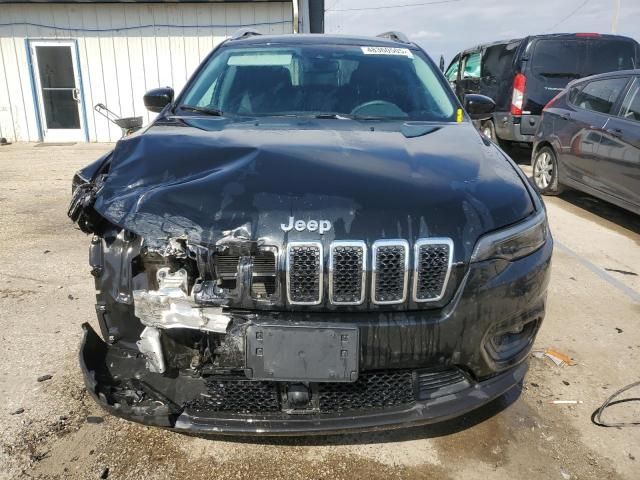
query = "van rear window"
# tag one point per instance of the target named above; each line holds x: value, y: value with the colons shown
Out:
x: 569, y: 58
x: 610, y: 56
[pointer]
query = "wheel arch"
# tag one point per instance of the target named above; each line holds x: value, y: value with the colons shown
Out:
x: 539, y: 146
x: 551, y: 144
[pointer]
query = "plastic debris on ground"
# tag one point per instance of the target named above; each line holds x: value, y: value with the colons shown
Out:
x: 558, y: 358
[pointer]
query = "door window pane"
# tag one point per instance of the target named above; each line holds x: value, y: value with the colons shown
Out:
x: 631, y: 105
x: 452, y: 72
x: 498, y: 60
x: 60, y: 109
x: 471, y: 66
x: 57, y: 79
x: 56, y: 67
x: 600, y: 95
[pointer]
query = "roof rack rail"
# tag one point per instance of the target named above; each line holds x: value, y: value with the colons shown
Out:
x: 395, y: 36
x: 244, y: 33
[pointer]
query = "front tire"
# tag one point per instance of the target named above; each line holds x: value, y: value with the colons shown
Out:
x: 545, y: 172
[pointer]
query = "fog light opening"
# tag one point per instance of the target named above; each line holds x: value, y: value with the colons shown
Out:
x: 506, y: 346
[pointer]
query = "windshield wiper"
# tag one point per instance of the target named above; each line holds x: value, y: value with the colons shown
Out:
x: 378, y: 117
x: 206, y: 110
x: 331, y: 116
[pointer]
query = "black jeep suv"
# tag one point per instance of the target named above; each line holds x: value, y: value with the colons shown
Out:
x: 312, y: 237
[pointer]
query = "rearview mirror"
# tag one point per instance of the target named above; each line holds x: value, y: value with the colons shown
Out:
x: 158, y: 98
x: 478, y: 106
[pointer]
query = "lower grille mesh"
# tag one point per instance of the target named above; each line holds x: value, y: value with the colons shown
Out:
x: 371, y: 390
x: 238, y: 396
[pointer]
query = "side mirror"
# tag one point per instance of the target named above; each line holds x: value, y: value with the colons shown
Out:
x: 158, y: 98
x: 479, y: 107
x: 442, y: 63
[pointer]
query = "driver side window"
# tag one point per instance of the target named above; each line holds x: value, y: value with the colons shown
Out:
x: 452, y: 71
x: 631, y: 105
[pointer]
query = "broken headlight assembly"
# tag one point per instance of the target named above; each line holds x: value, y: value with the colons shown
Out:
x: 514, y: 242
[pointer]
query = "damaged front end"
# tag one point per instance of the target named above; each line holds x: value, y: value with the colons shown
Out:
x: 220, y: 311
x: 182, y: 350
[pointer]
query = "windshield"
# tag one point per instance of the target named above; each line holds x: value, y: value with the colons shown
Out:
x: 575, y: 58
x: 349, y: 81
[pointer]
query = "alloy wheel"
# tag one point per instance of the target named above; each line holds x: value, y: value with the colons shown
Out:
x: 543, y: 170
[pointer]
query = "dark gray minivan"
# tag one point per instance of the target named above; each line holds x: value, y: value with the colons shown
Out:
x: 523, y: 75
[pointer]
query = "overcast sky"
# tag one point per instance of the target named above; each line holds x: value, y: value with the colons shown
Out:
x: 448, y: 26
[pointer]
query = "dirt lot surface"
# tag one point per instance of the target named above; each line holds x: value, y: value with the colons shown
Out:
x: 46, y: 292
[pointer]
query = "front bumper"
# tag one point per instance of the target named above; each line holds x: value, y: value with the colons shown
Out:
x: 472, y: 335
x: 100, y: 376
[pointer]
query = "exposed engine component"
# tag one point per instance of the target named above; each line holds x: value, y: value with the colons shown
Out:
x: 171, y: 307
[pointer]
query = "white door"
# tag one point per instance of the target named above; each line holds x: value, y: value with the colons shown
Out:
x: 57, y: 84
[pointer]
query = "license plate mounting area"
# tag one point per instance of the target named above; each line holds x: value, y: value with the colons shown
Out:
x: 302, y: 353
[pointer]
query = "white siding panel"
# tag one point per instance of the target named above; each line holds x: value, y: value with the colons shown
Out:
x: 276, y: 14
x: 13, y: 85
x: 24, y: 97
x: 112, y: 93
x: 136, y: 62
x: 27, y: 91
x: 219, y: 16
x: 232, y: 15
x: 204, y: 18
x: 191, y: 39
x: 117, y: 64
x: 92, y: 75
x: 163, y: 46
x: 7, y: 124
x: 123, y: 63
x: 177, y: 41
x: 149, y: 45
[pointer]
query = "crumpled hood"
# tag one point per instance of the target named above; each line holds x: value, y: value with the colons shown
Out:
x: 212, y: 179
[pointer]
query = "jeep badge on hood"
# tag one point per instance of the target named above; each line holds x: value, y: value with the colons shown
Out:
x: 320, y: 226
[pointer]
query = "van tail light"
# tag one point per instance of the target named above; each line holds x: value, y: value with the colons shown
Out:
x: 552, y: 101
x: 517, y: 100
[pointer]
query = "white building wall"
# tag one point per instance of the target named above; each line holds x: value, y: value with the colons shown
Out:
x: 124, y: 50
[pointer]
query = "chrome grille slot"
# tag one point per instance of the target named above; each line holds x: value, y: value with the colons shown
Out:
x: 347, y: 272
x: 263, y: 276
x: 226, y: 266
x: 390, y: 271
x: 304, y: 273
x: 433, y: 258
x: 264, y: 263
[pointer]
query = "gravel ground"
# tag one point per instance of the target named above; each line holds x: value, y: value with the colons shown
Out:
x: 52, y: 429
